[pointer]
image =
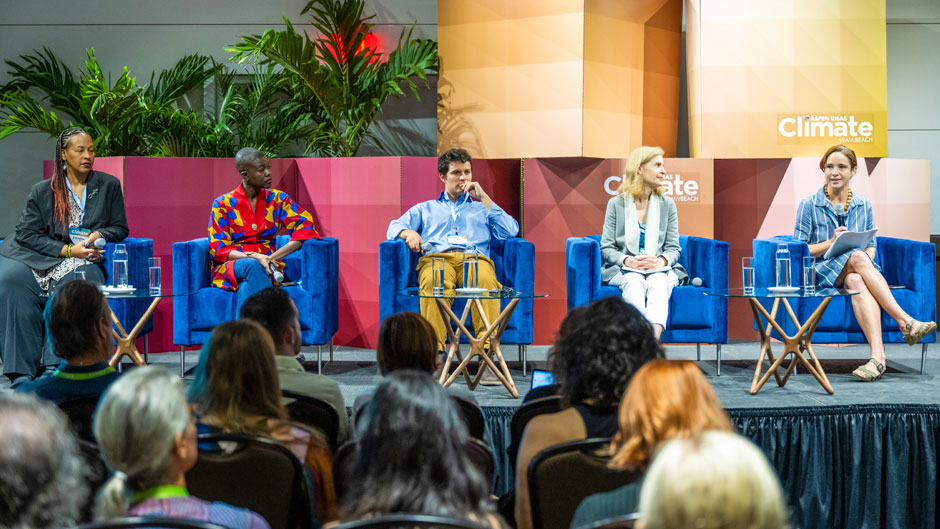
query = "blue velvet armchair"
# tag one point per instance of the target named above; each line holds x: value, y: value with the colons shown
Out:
x: 514, y: 260
x: 904, y: 263
x: 693, y: 316
x: 315, y: 267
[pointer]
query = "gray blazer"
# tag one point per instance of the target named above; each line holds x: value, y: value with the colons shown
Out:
x: 614, y: 247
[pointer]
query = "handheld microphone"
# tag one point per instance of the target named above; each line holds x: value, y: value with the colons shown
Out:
x: 99, y: 243
x: 840, y: 214
x: 426, y: 247
x: 696, y: 281
x: 278, y: 276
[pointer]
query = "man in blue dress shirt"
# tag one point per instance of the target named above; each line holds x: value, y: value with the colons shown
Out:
x: 463, y: 216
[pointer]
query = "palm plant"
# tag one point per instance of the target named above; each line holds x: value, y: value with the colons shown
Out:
x: 121, y: 116
x: 337, y: 77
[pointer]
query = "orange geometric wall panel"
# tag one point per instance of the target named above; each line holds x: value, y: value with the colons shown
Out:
x: 530, y: 78
x: 786, y: 78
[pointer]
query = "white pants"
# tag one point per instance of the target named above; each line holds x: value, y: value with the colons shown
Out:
x: 650, y: 294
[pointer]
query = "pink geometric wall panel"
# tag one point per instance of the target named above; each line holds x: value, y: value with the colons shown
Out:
x: 354, y: 199
x: 567, y: 197
x: 420, y: 181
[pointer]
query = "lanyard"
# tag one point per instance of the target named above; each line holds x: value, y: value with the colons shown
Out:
x: 157, y: 493
x: 83, y: 376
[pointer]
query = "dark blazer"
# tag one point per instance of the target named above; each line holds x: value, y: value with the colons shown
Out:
x: 39, y: 239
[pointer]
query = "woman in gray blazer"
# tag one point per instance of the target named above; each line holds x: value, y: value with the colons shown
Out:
x: 54, y: 237
x: 640, y: 243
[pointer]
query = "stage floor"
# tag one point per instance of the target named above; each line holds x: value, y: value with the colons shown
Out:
x: 356, y: 372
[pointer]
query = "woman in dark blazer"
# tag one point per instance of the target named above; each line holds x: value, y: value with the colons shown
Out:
x: 640, y: 243
x: 54, y: 237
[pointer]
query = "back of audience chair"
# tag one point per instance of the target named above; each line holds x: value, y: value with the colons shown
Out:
x: 97, y: 473
x: 409, y: 521
x: 627, y: 521
x: 523, y: 415
x: 316, y: 413
x: 141, y: 522
x: 253, y: 473
x: 472, y: 415
x: 80, y: 412
x: 561, y: 476
x: 482, y: 458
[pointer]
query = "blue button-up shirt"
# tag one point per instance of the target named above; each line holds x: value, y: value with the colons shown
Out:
x: 816, y: 221
x: 435, y: 220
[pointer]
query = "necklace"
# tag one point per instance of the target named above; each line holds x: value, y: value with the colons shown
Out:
x: 848, y: 199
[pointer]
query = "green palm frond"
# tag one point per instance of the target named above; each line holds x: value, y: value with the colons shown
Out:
x: 43, y: 72
x: 18, y: 111
x: 189, y: 73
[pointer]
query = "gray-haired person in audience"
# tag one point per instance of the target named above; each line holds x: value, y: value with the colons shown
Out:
x: 148, y: 440
x: 42, y: 475
x: 711, y: 481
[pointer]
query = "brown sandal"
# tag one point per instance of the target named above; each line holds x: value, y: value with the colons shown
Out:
x: 915, y: 330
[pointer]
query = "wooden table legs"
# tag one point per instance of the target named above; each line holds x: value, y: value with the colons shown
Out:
x: 794, y: 345
x: 492, y: 333
x: 125, y: 341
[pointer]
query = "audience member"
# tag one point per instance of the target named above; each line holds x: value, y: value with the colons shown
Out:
x: 666, y: 399
x: 714, y: 480
x: 80, y: 327
x: 148, y: 440
x: 412, y: 457
x: 42, y: 475
x: 592, y: 365
x: 276, y: 312
x: 236, y: 390
x: 406, y: 341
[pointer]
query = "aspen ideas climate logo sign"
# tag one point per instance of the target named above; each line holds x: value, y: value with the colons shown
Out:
x: 838, y: 128
x: 680, y: 187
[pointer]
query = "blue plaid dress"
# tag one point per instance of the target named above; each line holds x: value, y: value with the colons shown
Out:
x: 816, y: 221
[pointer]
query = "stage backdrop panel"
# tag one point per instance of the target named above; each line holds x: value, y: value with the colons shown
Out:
x: 557, y: 77
x: 567, y: 197
x: 759, y: 198
x: 784, y: 78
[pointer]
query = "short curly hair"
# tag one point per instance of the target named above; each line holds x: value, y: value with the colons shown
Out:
x: 598, y: 357
x: 453, y: 155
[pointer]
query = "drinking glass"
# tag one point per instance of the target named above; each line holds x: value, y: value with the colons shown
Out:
x: 809, y: 275
x: 437, y: 276
x: 783, y: 266
x: 119, y: 265
x: 154, y: 267
x: 747, y: 276
x: 470, y: 268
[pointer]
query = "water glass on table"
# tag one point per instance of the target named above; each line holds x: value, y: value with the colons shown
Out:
x: 437, y: 276
x: 470, y: 268
x: 154, y: 267
x: 119, y: 265
x: 747, y: 279
x: 783, y: 266
x: 809, y: 275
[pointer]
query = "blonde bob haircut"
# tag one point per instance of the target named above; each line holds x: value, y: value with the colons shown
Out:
x: 713, y: 480
x: 632, y: 182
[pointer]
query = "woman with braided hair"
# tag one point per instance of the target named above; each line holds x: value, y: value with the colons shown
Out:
x: 50, y: 244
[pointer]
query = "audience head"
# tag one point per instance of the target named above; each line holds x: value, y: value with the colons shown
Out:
x: 42, y: 475
x: 79, y: 321
x: 570, y: 321
x: 453, y: 155
x: 274, y: 310
x: 406, y: 341
x: 666, y: 399
x: 145, y: 435
x: 237, y: 388
x: 632, y: 178
x: 412, y: 456
x: 714, y: 480
x: 596, y: 359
